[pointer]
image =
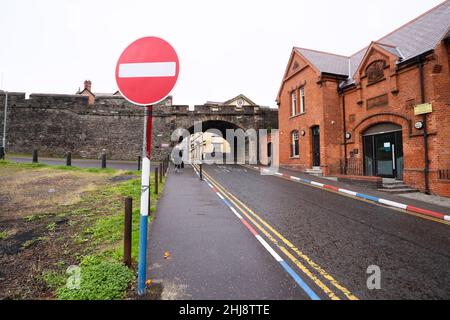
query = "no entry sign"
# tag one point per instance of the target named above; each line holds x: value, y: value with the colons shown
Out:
x: 147, y: 71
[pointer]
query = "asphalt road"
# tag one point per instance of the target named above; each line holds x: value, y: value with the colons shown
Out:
x: 338, y: 238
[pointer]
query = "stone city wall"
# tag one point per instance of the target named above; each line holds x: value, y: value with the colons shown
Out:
x: 56, y: 124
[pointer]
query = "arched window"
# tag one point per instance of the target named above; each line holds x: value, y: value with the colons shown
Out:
x: 295, y: 152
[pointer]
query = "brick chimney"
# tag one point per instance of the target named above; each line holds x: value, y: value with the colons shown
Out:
x: 88, y: 85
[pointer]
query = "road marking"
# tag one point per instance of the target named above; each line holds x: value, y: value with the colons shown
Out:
x: 299, y: 281
x: 279, y: 174
x: 235, y: 212
x: 147, y: 69
x: 249, y: 227
x: 367, y: 197
x: 322, y: 272
x: 269, y: 248
x: 426, y: 212
x: 393, y: 204
x: 321, y: 185
x: 352, y: 193
x: 287, y: 242
x: 297, y: 263
x: 272, y: 252
x: 306, y: 271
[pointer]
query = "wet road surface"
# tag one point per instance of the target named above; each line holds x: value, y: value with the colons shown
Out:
x: 338, y: 238
x: 212, y: 254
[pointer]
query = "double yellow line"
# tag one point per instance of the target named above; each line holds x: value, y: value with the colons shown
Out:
x: 295, y: 255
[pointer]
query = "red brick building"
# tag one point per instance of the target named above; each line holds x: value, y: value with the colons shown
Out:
x: 359, y: 115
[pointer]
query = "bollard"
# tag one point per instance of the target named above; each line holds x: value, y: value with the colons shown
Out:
x: 182, y: 164
x: 2, y: 153
x: 161, y: 171
x: 201, y: 172
x: 35, y: 156
x: 168, y: 163
x: 156, y: 180
x: 127, y: 232
x: 103, y: 160
x: 69, y: 159
x: 139, y: 163
x: 149, y: 198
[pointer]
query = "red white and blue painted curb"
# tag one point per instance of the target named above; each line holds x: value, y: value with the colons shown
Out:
x: 311, y: 294
x: 385, y: 202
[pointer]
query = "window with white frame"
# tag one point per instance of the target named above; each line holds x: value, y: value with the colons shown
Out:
x: 302, y: 100
x: 293, y: 103
x: 295, y: 152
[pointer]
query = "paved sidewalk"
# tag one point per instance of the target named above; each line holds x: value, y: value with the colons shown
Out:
x: 368, y: 191
x: 212, y: 254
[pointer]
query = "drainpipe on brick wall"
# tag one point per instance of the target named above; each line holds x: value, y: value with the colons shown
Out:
x: 425, y: 129
x: 344, y: 124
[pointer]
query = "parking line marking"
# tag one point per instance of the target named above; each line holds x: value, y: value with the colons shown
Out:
x: 311, y: 294
x: 322, y: 272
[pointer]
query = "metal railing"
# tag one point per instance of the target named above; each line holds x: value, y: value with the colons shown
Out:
x: 444, y: 174
x: 354, y: 167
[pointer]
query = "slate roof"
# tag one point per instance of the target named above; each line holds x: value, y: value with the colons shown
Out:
x: 410, y: 40
x: 326, y: 62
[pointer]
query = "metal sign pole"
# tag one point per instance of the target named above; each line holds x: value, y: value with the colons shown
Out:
x: 145, y: 201
x: 144, y: 80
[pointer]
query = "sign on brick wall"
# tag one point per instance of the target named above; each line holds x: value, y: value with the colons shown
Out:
x: 379, y: 101
x: 423, y: 109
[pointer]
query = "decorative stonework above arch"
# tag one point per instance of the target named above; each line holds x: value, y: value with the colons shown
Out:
x: 371, y: 120
x: 375, y: 71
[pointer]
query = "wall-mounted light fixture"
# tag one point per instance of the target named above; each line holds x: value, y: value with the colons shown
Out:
x: 418, y: 125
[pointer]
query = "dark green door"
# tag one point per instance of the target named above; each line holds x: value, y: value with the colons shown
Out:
x: 316, y: 146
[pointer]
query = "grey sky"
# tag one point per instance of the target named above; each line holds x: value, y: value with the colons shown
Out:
x: 225, y: 48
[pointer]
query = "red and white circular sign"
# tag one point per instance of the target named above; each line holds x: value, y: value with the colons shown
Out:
x: 147, y: 71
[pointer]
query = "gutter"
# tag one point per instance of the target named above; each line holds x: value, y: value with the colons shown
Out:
x: 344, y: 124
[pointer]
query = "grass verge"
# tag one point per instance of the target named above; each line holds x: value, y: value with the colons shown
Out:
x: 87, y: 235
x: 102, y: 273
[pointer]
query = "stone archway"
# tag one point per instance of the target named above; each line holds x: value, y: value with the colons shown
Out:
x: 232, y: 149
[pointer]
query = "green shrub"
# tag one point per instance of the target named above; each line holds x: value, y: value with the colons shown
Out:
x: 53, y: 279
x: 100, y: 280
